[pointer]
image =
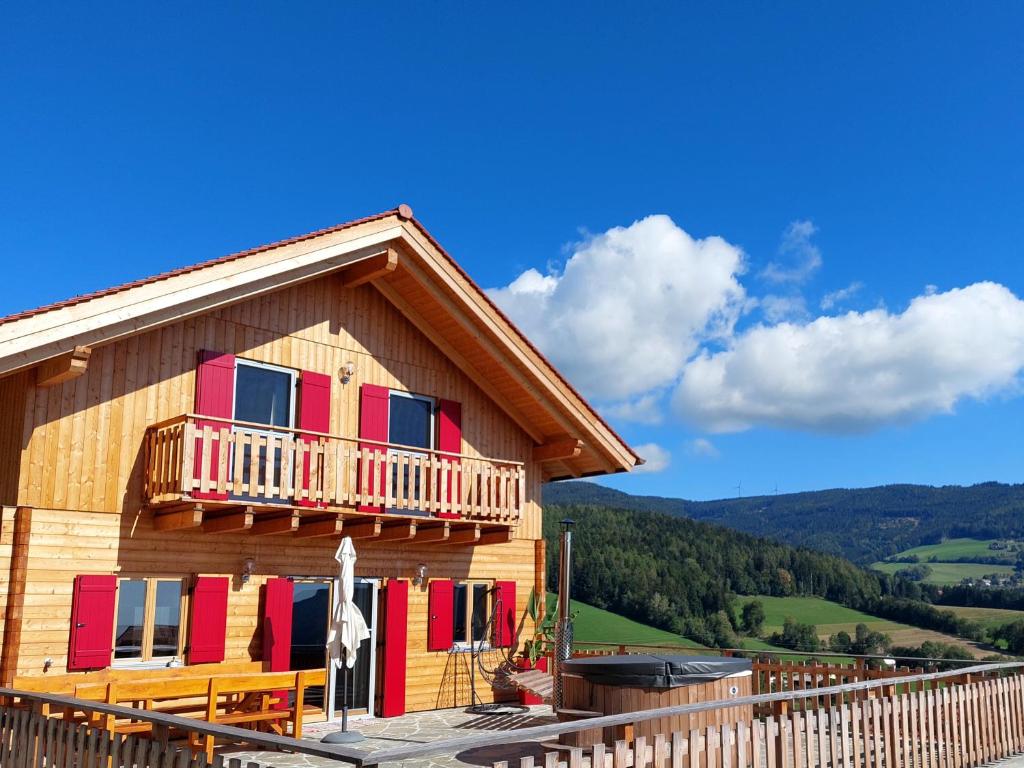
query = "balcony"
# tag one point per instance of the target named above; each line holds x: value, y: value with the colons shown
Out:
x: 218, y: 465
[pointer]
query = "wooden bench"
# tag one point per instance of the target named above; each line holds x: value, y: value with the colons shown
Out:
x: 65, y: 684
x: 257, y: 700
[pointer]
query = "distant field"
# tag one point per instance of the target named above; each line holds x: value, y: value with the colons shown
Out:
x: 954, y: 549
x: 948, y: 573
x: 830, y: 618
x: 988, y: 617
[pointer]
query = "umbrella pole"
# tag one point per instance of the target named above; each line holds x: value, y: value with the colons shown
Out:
x: 344, y: 736
x: 344, y: 691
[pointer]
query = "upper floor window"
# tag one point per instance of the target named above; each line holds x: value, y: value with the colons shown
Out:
x: 410, y: 420
x: 264, y: 394
x: 149, y: 619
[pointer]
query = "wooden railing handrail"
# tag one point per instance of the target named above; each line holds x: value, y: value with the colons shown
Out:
x: 452, y: 746
x: 225, y: 732
x: 780, y: 652
x: 312, y: 433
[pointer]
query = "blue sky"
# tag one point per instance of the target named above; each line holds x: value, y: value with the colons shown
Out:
x: 881, y: 142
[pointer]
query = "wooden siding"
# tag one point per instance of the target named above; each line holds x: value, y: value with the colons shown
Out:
x: 83, y: 439
x: 13, y: 390
x: 90, y: 542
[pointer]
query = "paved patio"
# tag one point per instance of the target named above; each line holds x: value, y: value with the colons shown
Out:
x: 420, y: 728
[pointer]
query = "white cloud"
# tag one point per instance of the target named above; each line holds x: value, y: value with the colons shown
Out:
x: 631, y: 306
x: 701, y: 446
x: 860, y: 370
x: 802, y: 257
x: 645, y: 409
x: 830, y: 300
x: 656, y: 458
x: 778, y: 308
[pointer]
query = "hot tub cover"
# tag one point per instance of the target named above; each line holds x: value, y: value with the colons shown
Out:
x: 646, y: 671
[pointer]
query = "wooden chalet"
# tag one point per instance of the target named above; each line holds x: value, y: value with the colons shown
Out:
x: 180, y: 456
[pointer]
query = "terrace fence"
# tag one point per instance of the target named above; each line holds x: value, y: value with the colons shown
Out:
x: 949, y: 719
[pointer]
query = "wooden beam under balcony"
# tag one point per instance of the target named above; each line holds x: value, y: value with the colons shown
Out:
x: 496, y: 536
x: 179, y: 519
x: 557, y: 450
x: 370, y: 269
x: 230, y: 522
x: 267, y: 525
x: 433, y: 534
x: 314, y: 528
x: 469, y: 534
x: 64, y: 368
x: 363, y: 529
x: 402, y: 531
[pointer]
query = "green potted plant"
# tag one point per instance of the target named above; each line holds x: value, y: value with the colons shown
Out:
x: 535, y: 648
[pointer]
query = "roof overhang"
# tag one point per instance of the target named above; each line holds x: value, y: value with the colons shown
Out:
x: 394, y: 253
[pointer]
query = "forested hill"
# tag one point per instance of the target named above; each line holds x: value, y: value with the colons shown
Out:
x: 667, y: 571
x: 862, y: 524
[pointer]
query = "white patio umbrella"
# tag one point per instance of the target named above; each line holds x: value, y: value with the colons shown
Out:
x: 347, y: 631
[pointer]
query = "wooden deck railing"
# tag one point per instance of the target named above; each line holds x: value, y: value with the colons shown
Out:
x: 967, y: 724
x: 772, y: 674
x: 192, y: 457
x: 947, y: 726
x: 40, y: 729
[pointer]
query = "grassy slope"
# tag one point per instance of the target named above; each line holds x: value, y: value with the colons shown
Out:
x: 830, y: 617
x: 948, y: 573
x: 953, y: 549
x: 594, y: 625
x: 989, y: 617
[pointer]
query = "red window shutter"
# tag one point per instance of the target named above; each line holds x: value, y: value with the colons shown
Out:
x: 92, y: 622
x: 505, y: 614
x: 373, y: 425
x: 440, y: 611
x: 277, y: 631
x: 277, y: 625
x: 314, y: 415
x: 215, y: 396
x: 209, y: 618
x: 396, y: 621
x: 449, y: 440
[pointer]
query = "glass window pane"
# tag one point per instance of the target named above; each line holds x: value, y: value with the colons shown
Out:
x: 167, y: 618
x: 131, y: 611
x: 459, y: 618
x: 263, y: 396
x: 409, y: 421
x: 480, y: 612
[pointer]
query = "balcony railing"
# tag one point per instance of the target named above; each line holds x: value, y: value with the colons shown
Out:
x: 199, y: 457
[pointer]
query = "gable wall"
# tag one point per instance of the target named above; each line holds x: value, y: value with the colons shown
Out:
x: 81, y: 440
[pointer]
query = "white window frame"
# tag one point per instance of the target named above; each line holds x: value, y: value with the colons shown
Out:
x: 148, y: 618
x: 485, y: 643
x: 432, y: 439
x: 294, y: 375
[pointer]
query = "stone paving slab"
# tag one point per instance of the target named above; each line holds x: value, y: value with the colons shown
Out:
x: 419, y: 728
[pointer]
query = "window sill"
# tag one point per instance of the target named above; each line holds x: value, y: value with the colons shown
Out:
x: 470, y: 647
x: 164, y: 663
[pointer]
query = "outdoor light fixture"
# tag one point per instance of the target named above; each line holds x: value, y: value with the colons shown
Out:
x: 346, y: 372
x: 421, y: 575
x: 248, y: 569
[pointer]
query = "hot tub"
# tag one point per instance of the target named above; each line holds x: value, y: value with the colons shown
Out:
x: 611, y: 685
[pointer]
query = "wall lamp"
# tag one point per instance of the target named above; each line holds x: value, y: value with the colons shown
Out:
x: 248, y: 568
x: 346, y: 372
x: 420, y: 578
